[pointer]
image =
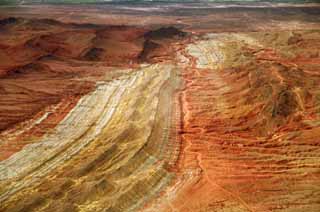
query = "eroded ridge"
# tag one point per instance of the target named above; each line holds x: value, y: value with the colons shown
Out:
x: 108, y: 152
x: 125, y: 118
x: 250, y: 124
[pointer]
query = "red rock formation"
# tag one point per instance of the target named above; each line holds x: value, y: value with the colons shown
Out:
x: 241, y: 133
x: 46, y: 64
x: 249, y: 134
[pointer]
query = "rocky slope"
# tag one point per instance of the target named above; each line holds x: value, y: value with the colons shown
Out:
x: 84, y: 96
x: 45, y: 61
x: 148, y: 118
x: 250, y: 124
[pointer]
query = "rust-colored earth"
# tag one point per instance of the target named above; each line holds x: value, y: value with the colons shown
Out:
x: 112, y: 109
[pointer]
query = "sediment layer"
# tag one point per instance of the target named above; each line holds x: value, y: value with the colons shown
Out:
x: 150, y: 118
x: 250, y: 133
x: 111, y: 136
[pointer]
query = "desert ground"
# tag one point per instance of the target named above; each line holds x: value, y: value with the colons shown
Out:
x: 174, y: 108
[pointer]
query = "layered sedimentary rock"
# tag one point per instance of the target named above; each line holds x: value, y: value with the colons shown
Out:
x: 106, y: 148
x: 46, y: 66
x: 127, y: 118
x: 250, y: 124
x: 106, y: 136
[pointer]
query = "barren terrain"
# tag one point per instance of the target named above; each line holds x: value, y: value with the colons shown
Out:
x: 151, y: 109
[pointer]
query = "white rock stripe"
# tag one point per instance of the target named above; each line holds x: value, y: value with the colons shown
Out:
x: 84, y: 122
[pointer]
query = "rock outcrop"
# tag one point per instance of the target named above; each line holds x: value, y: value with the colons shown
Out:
x: 150, y: 118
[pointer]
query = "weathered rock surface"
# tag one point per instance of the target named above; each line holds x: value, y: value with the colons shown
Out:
x: 150, y: 118
x: 249, y: 130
